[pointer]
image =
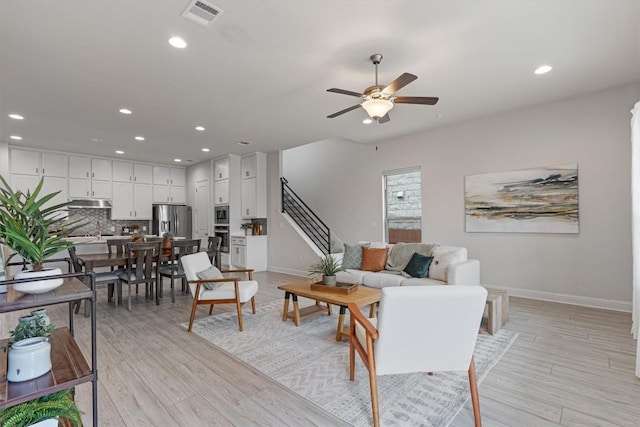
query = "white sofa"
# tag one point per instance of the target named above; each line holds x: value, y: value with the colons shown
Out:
x: 450, y: 266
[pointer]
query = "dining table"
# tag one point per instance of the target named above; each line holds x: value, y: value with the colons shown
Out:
x: 92, y: 261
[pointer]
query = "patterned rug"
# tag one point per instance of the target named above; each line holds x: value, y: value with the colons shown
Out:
x: 308, y: 360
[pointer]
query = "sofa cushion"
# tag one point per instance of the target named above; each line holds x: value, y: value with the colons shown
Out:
x: 401, y: 253
x: 423, y: 281
x: 418, y: 265
x: 351, y: 276
x: 443, y: 257
x: 352, y: 257
x: 382, y: 280
x: 373, y: 259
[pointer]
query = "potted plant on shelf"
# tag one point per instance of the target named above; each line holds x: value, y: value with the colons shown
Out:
x: 42, y: 412
x: 30, y: 351
x: 33, y: 230
x: 328, y: 267
x: 247, y: 226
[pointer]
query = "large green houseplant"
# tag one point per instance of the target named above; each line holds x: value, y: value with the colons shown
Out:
x: 47, y: 407
x: 31, y: 228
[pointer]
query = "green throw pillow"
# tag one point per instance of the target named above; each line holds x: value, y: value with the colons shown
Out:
x: 418, y: 265
x: 211, y: 273
x: 352, y: 257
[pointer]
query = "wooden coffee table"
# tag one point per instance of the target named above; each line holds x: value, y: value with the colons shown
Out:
x: 362, y: 296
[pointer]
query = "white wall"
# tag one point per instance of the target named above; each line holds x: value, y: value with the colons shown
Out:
x: 342, y: 181
x: 4, y: 160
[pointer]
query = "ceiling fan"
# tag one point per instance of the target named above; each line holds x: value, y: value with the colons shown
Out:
x: 378, y: 100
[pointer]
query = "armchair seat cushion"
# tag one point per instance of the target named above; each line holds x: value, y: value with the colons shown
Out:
x: 226, y: 290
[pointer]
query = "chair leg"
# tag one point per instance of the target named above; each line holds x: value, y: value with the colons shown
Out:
x: 158, y: 289
x: 193, y: 314
x: 352, y: 360
x: 373, y: 384
x: 253, y: 304
x: 475, y: 398
x: 239, y: 309
x: 129, y: 286
x: 210, y: 309
x: 173, y: 291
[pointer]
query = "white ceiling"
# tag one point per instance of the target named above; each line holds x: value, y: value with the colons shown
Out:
x: 260, y: 73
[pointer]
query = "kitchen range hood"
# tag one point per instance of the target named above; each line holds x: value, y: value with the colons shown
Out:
x: 90, y: 204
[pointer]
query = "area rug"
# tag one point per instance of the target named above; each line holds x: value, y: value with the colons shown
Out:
x: 308, y: 360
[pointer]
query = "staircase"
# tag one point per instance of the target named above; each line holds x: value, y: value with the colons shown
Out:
x: 307, y: 222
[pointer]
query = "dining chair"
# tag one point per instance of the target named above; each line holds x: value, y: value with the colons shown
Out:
x: 117, y: 247
x: 419, y: 329
x: 142, y: 267
x: 224, y: 290
x: 109, y: 278
x: 213, y: 250
x: 173, y: 269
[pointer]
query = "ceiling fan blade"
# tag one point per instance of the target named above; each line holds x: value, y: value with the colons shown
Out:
x: 345, y: 92
x: 346, y: 110
x: 426, y: 100
x: 384, y: 119
x: 399, y: 83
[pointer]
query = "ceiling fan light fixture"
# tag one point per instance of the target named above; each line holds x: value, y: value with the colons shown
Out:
x: 377, y: 107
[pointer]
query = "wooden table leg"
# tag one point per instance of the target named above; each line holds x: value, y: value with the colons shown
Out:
x: 285, y: 309
x: 339, y: 332
x: 372, y: 310
x: 296, y: 310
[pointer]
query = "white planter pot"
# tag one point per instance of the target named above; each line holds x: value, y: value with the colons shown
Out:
x: 28, y: 359
x: 329, y: 280
x: 38, y: 286
x: 51, y: 422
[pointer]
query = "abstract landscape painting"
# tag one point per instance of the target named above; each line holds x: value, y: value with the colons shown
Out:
x: 540, y: 200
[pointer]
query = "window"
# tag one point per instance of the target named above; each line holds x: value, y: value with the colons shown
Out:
x: 403, y: 206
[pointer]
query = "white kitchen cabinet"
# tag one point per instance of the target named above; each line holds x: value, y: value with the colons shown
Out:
x: 248, y: 166
x: 142, y: 174
x: 79, y: 188
x: 79, y: 167
x: 122, y: 172
x: 178, y: 177
x: 249, y: 252
x: 101, y: 190
x: 161, y: 175
x: 25, y: 162
x: 221, y: 192
x: 221, y: 169
x: 54, y: 164
x: 131, y: 201
x: 58, y: 185
x: 24, y: 183
x: 101, y: 169
x: 178, y: 194
x: 161, y: 194
x: 254, y: 186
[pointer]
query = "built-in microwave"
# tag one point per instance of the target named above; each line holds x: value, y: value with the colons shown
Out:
x: 222, y: 214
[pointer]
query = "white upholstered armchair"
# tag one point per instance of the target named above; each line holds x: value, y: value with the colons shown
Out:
x: 419, y: 329
x: 228, y: 290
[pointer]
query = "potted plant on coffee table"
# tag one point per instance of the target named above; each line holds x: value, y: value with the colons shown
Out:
x: 33, y: 230
x: 42, y: 412
x: 328, y: 267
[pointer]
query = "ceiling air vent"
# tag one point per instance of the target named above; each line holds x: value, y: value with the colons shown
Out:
x: 202, y: 13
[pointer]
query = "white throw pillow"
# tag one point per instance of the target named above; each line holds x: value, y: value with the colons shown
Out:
x: 442, y: 259
x: 211, y: 273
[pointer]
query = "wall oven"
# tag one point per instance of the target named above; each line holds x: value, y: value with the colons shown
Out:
x: 223, y: 233
x: 222, y: 214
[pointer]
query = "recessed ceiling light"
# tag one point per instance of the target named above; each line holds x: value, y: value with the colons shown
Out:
x: 367, y: 121
x: 125, y: 111
x: 438, y: 115
x: 244, y: 142
x: 16, y: 116
x: 177, y: 160
x: 543, y: 69
x: 119, y: 152
x: 96, y: 139
x: 16, y: 137
x: 139, y: 138
x: 200, y: 128
x: 177, y: 42
x: 206, y: 150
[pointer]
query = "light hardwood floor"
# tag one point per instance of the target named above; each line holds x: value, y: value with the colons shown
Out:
x: 570, y: 366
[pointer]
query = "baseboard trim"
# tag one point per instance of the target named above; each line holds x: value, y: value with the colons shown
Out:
x: 606, y: 304
x: 286, y: 270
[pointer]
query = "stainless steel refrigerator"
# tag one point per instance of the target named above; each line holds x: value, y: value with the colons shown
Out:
x: 174, y: 219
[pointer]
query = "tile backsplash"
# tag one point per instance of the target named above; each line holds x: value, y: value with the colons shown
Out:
x: 92, y: 216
